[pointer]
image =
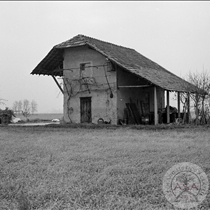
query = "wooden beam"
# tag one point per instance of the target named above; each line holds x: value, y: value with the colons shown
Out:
x: 58, y: 84
x: 155, y: 106
x: 134, y: 86
x: 168, y: 111
x: 117, y: 75
x: 178, y: 103
x: 188, y: 107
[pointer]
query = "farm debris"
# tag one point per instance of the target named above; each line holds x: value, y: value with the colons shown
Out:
x: 6, y: 116
x: 55, y: 120
x: 16, y: 120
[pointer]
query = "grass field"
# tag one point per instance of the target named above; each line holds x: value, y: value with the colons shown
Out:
x: 108, y: 168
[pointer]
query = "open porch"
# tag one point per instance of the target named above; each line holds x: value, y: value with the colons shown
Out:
x: 149, y: 104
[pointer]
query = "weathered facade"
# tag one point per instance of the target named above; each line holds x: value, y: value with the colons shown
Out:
x: 109, y: 83
x: 85, y: 78
x: 90, y: 89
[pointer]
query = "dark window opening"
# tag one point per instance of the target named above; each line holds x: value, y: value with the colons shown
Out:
x: 82, y: 66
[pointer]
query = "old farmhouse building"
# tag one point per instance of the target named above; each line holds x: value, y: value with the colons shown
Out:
x: 104, y: 82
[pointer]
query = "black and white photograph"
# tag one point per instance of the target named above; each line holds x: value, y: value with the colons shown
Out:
x: 104, y: 105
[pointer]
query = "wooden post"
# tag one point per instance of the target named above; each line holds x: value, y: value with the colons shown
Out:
x: 155, y: 106
x: 196, y: 108
x: 168, y: 112
x: 178, y: 103
x: 188, y: 107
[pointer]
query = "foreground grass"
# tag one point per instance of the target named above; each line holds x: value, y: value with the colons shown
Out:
x: 75, y: 168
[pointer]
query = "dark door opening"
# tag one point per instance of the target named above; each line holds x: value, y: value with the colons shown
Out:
x: 85, y: 109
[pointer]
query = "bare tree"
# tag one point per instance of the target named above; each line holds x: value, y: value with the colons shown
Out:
x: 2, y: 101
x: 26, y: 109
x: 15, y: 107
x: 20, y: 104
x: 200, y: 99
x: 33, y: 107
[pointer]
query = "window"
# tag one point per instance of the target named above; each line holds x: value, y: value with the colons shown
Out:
x: 82, y: 66
x: 85, y: 69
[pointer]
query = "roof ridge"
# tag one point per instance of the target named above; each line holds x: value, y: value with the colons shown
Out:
x: 84, y: 36
x: 127, y: 58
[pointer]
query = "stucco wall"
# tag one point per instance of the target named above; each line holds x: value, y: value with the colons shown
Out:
x: 102, y: 105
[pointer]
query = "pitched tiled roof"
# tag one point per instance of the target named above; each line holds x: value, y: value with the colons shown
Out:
x: 127, y: 58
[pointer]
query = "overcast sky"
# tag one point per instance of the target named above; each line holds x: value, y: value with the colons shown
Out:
x: 176, y: 35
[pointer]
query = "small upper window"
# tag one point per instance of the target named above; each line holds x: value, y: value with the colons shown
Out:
x: 82, y: 66
x: 85, y: 69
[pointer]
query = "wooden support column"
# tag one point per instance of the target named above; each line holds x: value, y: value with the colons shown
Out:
x: 155, y: 107
x: 196, y: 108
x: 188, y: 107
x: 57, y: 84
x: 178, y: 103
x: 168, y: 111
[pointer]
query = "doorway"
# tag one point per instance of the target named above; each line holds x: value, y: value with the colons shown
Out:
x: 85, y: 109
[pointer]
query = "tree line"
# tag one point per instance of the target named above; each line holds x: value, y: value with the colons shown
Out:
x: 199, y: 101
x: 25, y: 107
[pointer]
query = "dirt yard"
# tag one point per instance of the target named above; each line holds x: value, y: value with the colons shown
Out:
x: 84, y: 168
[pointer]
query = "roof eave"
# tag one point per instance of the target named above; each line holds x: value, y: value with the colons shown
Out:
x: 46, y: 66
